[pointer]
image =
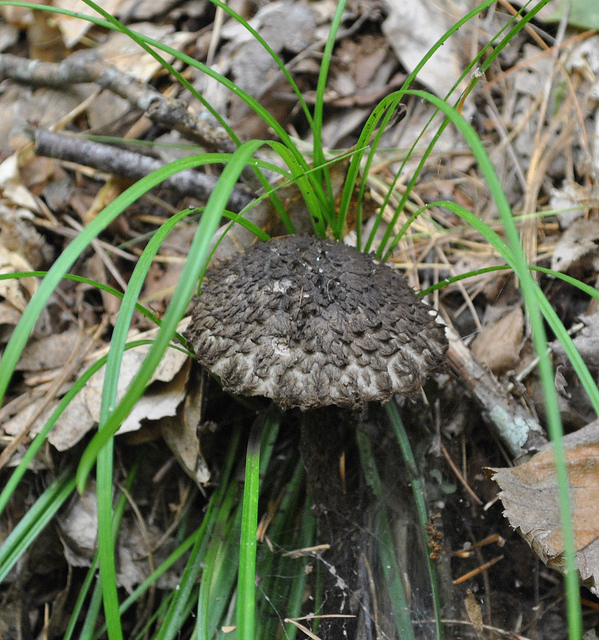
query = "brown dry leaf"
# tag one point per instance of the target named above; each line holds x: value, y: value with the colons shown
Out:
x: 285, y: 26
x: 159, y: 400
x: 78, y: 528
x: 51, y: 352
x: 14, y: 294
x: 12, y: 187
x: 586, y: 342
x: 531, y: 78
x: 578, y: 243
x: 17, y: 233
x: 571, y: 201
x: 183, y: 434
x: 412, y: 28
x: 9, y: 35
x: 282, y: 25
x: 136, y: 10
x: 123, y: 53
x: 529, y: 495
x: 44, y: 38
x: 164, y: 274
x: 498, y: 344
x: 44, y: 107
x: 19, y: 17
x: 74, y: 28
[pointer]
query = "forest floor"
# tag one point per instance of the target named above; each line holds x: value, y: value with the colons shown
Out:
x: 98, y: 113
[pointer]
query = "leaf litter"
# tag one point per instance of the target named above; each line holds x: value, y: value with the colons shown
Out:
x: 534, y: 111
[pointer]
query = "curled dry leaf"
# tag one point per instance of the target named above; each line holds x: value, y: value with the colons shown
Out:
x: 72, y: 27
x: 578, y: 243
x: 158, y: 401
x: 571, y: 202
x: 530, y: 497
x: 14, y: 294
x: 78, y: 528
x: 18, y: 233
x: 498, y: 344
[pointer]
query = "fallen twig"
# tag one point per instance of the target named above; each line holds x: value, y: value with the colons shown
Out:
x: 517, y: 429
x: 88, y: 66
x: 129, y: 165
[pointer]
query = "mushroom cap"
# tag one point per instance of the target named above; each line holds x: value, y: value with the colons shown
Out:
x: 311, y: 322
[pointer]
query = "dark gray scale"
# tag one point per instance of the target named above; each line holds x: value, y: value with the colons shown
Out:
x: 311, y: 322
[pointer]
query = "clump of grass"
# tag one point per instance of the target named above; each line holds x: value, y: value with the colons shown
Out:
x: 219, y: 566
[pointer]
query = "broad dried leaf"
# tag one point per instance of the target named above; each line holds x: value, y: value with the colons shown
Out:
x: 529, y: 495
x: 412, y: 28
x: 14, y: 294
x: 12, y: 187
x: 183, y: 434
x: 498, y: 344
x: 578, y: 243
x: 123, y: 53
x: 159, y: 401
x: 74, y: 28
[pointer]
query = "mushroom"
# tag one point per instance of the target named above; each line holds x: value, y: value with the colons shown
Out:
x: 316, y: 325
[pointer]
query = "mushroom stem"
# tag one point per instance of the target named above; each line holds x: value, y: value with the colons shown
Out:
x: 327, y: 437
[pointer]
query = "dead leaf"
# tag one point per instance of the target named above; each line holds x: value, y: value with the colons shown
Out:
x: 498, y: 344
x: 579, y: 242
x: 12, y: 187
x: 51, y: 352
x: 183, y: 433
x: 14, y: 294
x: 586, y: 342
x: 9, y: 35
x: 571, y: 201
x: 18, y: 233
x: 531, y: 78
x: 412, y: 28
x: 123, y: 53
x: 285, y: 26
x: 78, y: 533
x: 74, y: 28
x: 79, y: 526
x: 159, y: 400
x: 530, y: 498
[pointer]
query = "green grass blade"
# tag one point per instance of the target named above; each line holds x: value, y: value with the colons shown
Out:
x: 198, y: 253
x: 213, y: 525
x: 261, y: 439
x: 319, y: 157
x: 70, y: 254
x: 34, y: 521
x: 104, y: 483
x: 418, y: 493
x: 384, y: 109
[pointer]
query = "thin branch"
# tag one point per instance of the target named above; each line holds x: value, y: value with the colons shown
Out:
x: 129, y: 165
x: 511, y: 423
x: 88, y: 66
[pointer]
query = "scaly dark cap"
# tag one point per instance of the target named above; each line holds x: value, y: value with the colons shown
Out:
x: 311, y: 322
